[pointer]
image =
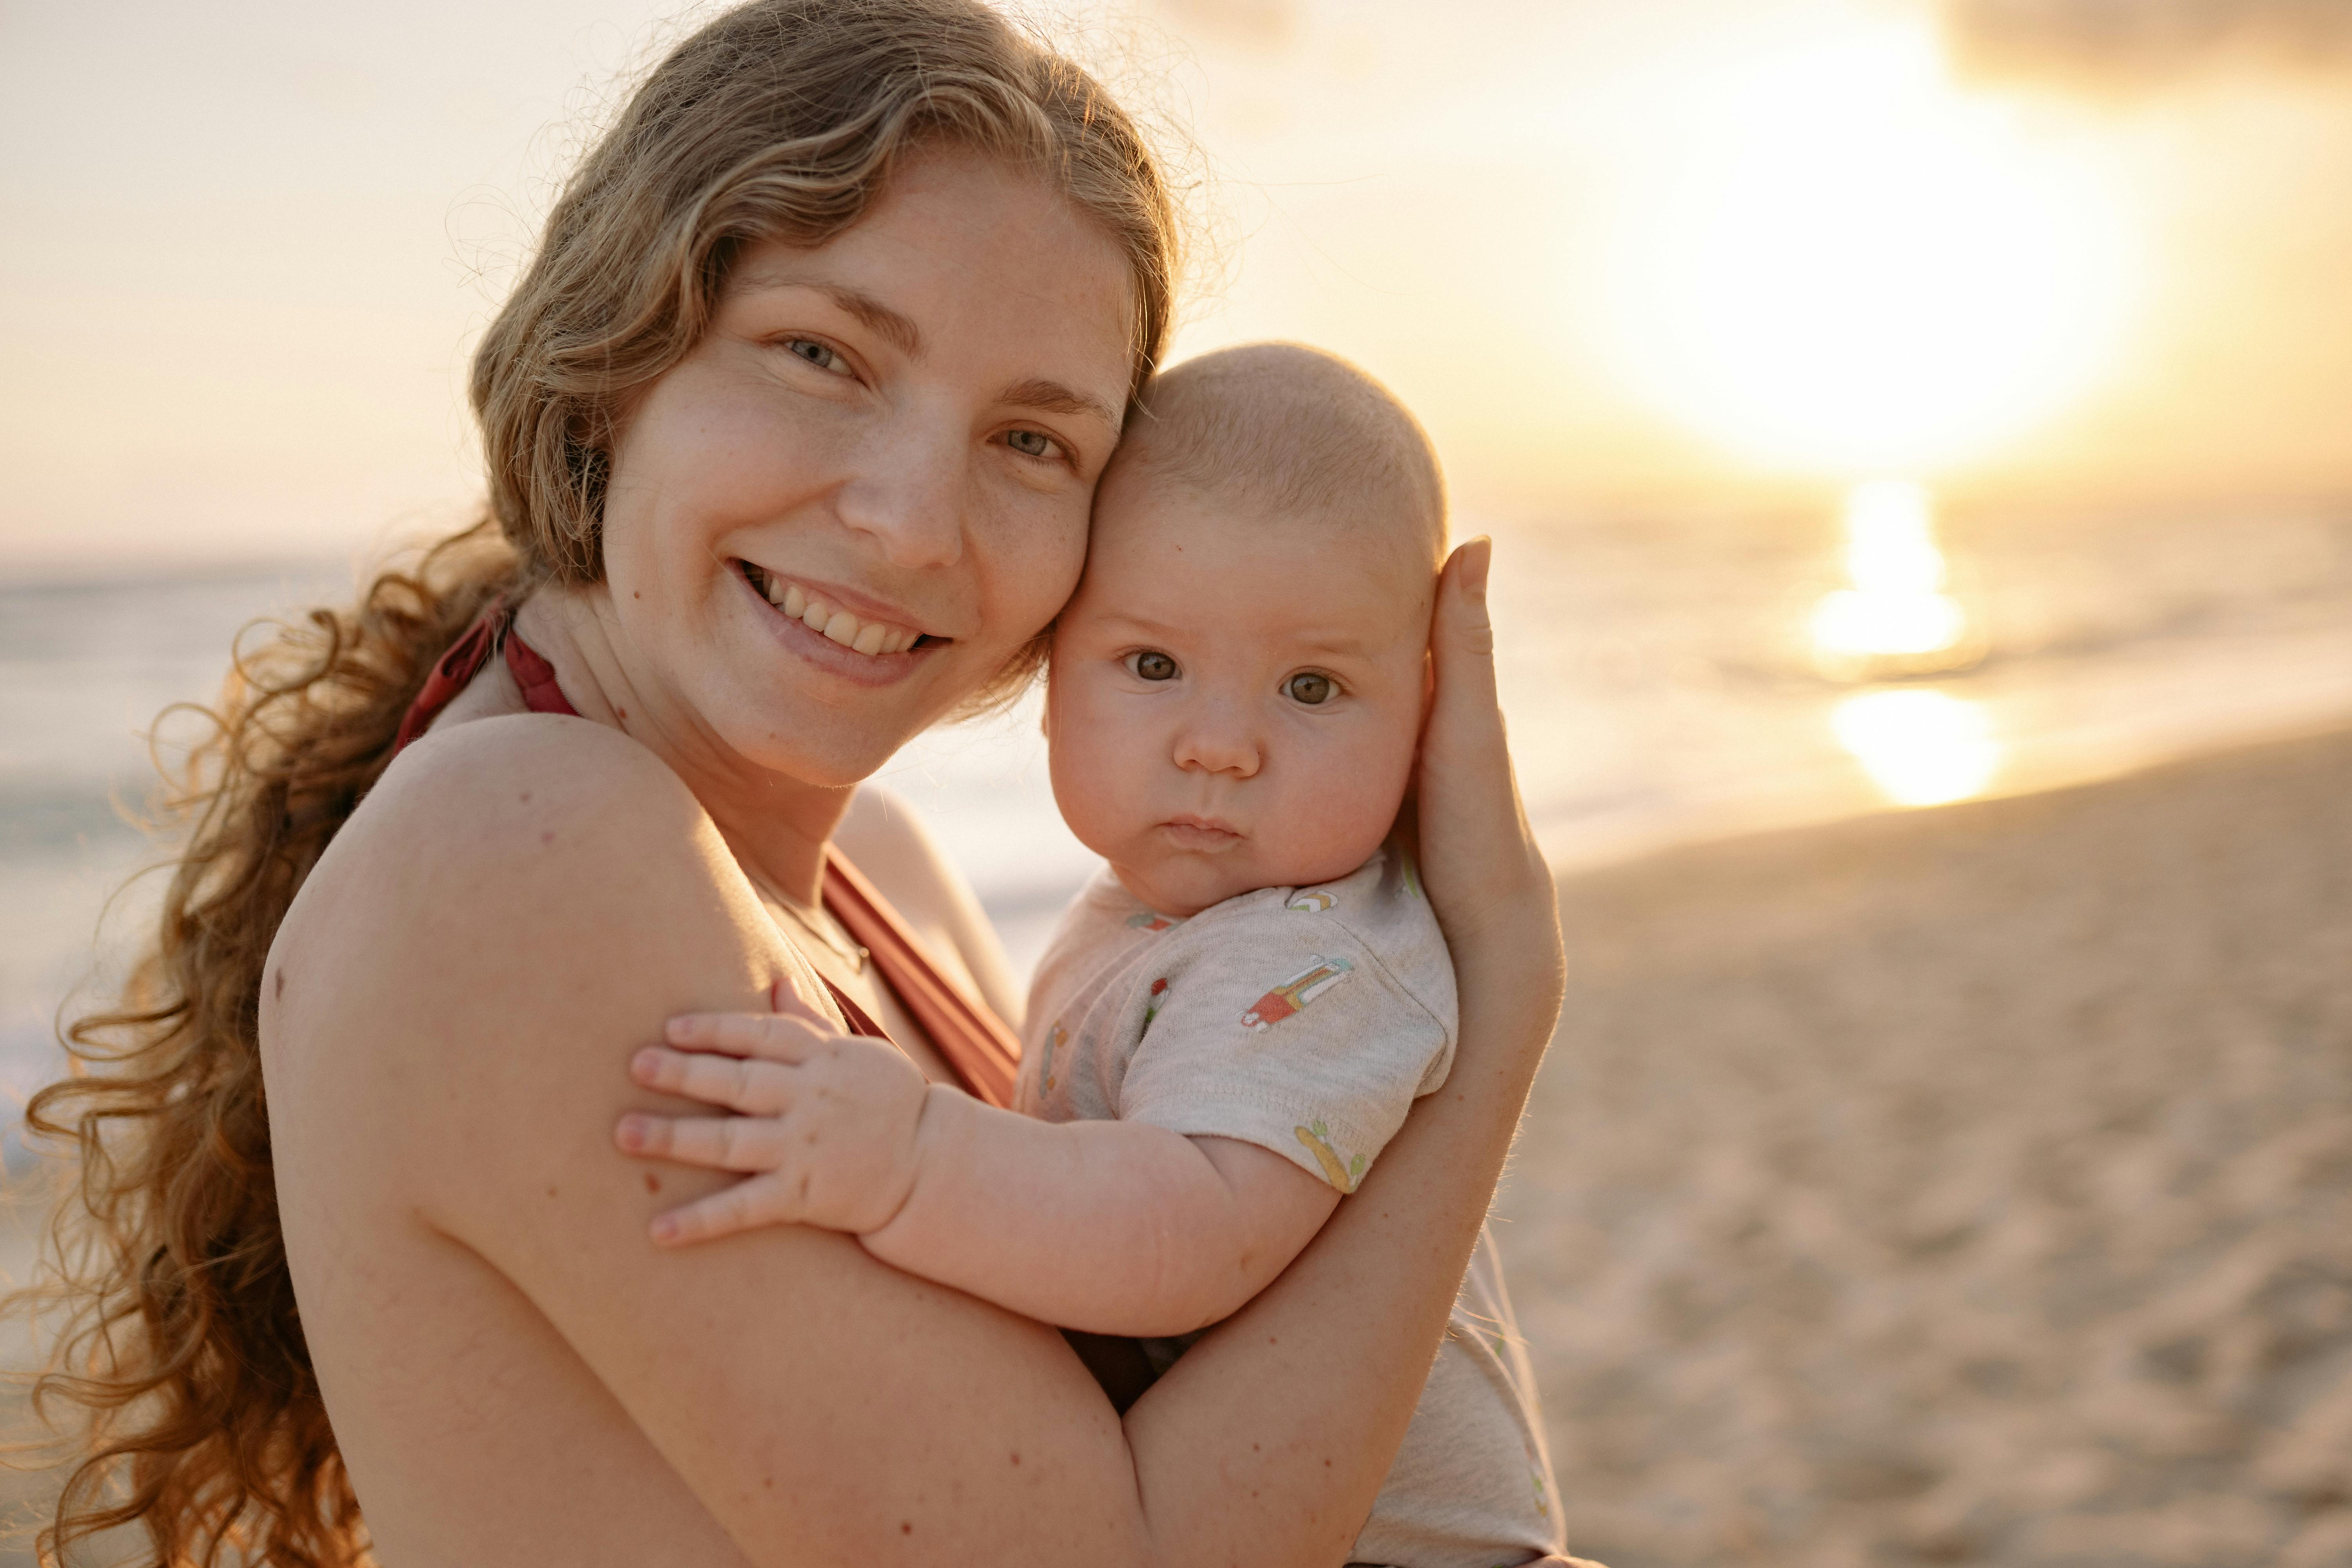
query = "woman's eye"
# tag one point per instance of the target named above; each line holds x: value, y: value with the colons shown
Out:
x: 1029, y: 443
x: 1151, y: 666
x: 1309, y: 688
x: 816, y: 354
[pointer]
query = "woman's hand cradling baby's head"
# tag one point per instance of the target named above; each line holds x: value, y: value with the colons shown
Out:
x: 823, y: 1125
x: 1485, y: 873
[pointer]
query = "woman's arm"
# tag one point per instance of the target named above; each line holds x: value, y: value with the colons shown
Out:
x: 822, y: 1405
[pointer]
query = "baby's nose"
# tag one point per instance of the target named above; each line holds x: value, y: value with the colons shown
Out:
x: 1214, y: 744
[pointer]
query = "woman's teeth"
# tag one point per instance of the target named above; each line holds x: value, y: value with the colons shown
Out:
x: 839, y: 625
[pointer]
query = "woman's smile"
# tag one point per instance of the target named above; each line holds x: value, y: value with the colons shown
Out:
x: 875, y: 648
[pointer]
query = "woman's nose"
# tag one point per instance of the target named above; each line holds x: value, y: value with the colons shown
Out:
x: 908, y: 495
x: 1216, y: 742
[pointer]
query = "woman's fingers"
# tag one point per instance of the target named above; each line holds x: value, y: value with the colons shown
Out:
x: 772, y: 1036
x: 749, y: 1084
x: 1475, y: 849
x: 714, y: 1143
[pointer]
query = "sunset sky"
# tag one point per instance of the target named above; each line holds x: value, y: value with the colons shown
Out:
x: 1662, y: 254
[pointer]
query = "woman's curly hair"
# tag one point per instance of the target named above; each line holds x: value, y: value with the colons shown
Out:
x: 181, y: 1371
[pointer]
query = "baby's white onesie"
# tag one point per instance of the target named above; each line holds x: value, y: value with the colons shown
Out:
x: 1307, y: 1020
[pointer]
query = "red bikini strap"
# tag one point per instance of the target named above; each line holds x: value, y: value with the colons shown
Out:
x: 464, y: 661
x: 984, y: 1053
x: 540, y: 694
x: 459, y: 665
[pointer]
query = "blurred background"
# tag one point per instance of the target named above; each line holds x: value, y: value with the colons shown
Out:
x: 1918, y: 440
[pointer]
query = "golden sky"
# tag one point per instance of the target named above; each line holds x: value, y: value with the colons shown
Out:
x: 1646, y: 251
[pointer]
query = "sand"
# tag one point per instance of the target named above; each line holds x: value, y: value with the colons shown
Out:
x: 1971, y: 1185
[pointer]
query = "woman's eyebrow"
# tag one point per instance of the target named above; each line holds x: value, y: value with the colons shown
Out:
x: 869, y: 312
x: 1045, y: 395
x: 876, y: 316
x: 1052, y: 397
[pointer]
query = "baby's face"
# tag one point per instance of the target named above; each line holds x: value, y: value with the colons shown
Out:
x: 1235, y: 697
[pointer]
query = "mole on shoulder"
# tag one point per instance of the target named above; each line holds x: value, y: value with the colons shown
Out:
x: 279, y: 992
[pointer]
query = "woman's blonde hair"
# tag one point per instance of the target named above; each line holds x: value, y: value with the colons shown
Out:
x: 196, y: 1411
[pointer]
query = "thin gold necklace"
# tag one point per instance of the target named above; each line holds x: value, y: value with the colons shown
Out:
x: 841, y: 947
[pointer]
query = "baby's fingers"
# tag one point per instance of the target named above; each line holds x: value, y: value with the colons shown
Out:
x: 743, y: 1207
x: 773, y: 1037
x: 753, y: 1086
x: 714, y: 1143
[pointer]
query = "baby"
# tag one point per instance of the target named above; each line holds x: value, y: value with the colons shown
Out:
x: 1233, y: 1019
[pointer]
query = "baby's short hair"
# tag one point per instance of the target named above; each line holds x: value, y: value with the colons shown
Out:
x: 1297, y: 429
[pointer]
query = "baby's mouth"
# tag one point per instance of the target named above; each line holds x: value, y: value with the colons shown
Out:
x: 1190, y: 832
x: 874, y: 638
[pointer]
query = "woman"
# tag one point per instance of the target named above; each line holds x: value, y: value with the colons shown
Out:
x: 851, y: 304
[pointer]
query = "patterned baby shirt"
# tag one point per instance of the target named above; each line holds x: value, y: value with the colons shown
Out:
x: 1306, y: 1021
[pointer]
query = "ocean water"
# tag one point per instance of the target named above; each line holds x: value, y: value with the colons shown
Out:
x: 1655, y: 672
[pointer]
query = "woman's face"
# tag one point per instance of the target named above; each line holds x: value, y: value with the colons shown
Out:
x: 868, y: 485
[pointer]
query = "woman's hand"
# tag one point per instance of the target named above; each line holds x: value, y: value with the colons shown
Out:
x: 1486, y: 880
x: 824, y: 1127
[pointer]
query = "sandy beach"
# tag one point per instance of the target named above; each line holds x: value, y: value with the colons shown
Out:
x: 1971, y: 1185
x: 1961, y: 1186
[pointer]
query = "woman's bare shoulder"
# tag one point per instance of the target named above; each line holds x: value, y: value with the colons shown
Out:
x: 483, y: 783
x: 511, y: 873
x: 503, y: 819
x: 456, y: 1038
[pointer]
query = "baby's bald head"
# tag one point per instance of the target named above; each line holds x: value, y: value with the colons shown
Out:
x: 1287, y: 432
x: 1238, y: 686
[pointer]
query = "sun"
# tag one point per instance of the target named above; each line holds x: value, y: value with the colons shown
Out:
x: 1842, y: 262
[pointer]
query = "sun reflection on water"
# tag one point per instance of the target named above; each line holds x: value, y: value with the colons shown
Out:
x: 1897, y: 618
x: 1919, y: 746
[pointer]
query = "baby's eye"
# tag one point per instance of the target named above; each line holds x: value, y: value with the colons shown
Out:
x: 818, y: 354
x: 1151, y: 665
x: 1308, y: 688
x: 1030, y: 443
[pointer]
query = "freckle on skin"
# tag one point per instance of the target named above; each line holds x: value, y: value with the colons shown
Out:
x: 281, y: 982
x: 621, y: 712
x: 546, y: 836
x: 550, y: 1192
x: 904, y: 1528
x: 653, y: 1183
x: 1016, y: 1458
x: 526, y: 797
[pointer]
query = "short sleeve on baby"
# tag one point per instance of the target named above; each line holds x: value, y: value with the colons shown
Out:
x: 1302, y: 1020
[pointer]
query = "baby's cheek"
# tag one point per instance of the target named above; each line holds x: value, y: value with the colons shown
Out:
x: 1341, y: 807
x: 1094, y: 761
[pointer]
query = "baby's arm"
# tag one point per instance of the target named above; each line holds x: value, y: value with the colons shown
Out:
x: 1117, y: 1228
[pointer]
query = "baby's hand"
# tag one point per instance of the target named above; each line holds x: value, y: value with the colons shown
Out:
x: 826, y: 1130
